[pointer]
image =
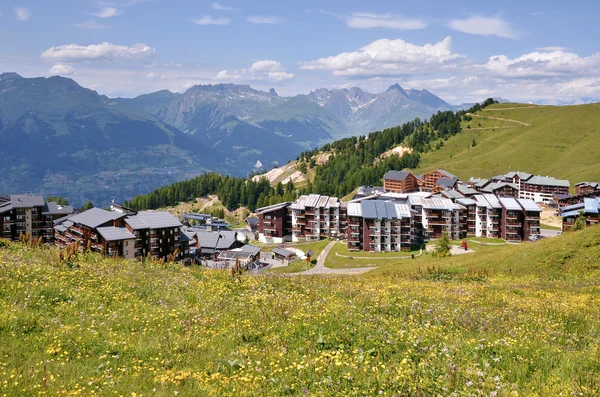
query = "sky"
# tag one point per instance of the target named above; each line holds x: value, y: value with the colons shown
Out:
x: 541, y: 51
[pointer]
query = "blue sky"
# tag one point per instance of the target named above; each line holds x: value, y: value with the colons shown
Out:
x: 525, y: 51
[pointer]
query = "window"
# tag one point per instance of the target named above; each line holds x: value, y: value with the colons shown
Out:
x: 126, y: 252
x: 126, y: 243
x: 163, y: 232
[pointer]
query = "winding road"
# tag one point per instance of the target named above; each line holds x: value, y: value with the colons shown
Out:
x: 321, y: 269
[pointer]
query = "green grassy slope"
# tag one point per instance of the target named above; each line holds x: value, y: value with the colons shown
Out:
x: 110, y: 327
x: 561, y: 141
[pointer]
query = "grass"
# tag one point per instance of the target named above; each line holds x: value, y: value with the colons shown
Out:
x: 364, y: 259
x: 528, y: 325
x: 549, y: 227
x: 294, y: 267
x: 564, y: 139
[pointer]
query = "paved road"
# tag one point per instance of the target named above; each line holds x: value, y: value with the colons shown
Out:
x: 321, y: 269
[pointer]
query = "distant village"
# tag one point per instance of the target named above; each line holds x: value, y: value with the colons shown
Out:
x: 407, y: 210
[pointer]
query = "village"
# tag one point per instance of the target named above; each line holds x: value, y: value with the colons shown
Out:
x: 405, y: 213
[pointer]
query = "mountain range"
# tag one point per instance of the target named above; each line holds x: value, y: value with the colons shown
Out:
x: 60, y: 138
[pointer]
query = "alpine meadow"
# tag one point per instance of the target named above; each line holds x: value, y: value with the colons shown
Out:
x: 230, y: 198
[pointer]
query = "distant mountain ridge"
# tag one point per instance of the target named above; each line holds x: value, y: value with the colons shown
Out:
x: 60, y: 138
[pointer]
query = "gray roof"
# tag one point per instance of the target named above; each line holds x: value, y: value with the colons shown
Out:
x: 466, y: 201
x: 152, y: 220
x: 492, y: 187
x: 396, y: 175
x: 548, y: 181
x: 449, y: 175
x: 316, y: 201
x: 5, y: 207
x: 95, y: 217
x: 283, y: 252
x: 529, y: 205
x: 522, y: 175
x: 451, y: 194
x: 52, y: 208
x: 594, y: 185
x: 482, y: 183
x: 26, y: 201
x: 252, y: 249
x: 273, y: 207
x: 378, y: 209
x: 211, y: 239
x: 510, y: 203
x: 111, y: 233
x: 446, y: 182
x: 465, y: 190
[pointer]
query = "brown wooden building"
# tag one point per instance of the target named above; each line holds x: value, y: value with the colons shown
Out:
x: 430, y: 178
x: 400, y: 182
x: 273, y: 222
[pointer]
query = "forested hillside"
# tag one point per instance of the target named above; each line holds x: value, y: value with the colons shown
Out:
x: 353, y: 162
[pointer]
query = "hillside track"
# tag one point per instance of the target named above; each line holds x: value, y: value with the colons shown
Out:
x: 500, y: 119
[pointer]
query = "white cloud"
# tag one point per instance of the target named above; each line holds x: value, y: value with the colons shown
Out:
x: 208, y: 20
x: 91, y: 24
x: 266, y: 70
x: 553, y: 63
x: 22, y: 14
x: 389, y: 57
x: 60, y: 69
x: 107, y: 12
x: 220, y: 7
x: 484, y: 26
x: 75, y: 52
x: 266, y: 19
x: 389, y: 21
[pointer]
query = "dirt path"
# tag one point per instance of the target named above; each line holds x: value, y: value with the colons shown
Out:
x: 499, y: 118
x: 321, y: 269
x: 517, y: 108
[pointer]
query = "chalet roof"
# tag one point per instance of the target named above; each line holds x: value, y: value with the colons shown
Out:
x: 482, y: 183
x: 152, y: 220
x: 522, y: 175
x: 273, y: 207
x: 492, y: 187
x: 435, y: 203
x: 95, y: 217
x: 223, y: 240
x: 26, y: 201
x: 111, y: 233
x: 591, y: 205
x: 383, y: 210
x: 441, y: 171
x: 529, y: 205
x: 315, y: 201
x: 446, y: 183
x: 510, y: 203
x: 451, y: 194
x: 493, y: 200
x: 466, y: 201
x: 52, y: 208
x: 396, y: 175
x: 283, y: 252
x: 5, y: 207
x: 548, y: 181
x: 481, y: 201
x: 252, y: 220
x: 465, y: 190
x: 595, y: 185
x: 355, y: 209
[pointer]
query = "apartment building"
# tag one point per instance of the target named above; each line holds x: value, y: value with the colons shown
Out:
x: 274, y: 226
x: 400, y: 182
x: 315, y: 217
x: 590, y: 208
x: 587, y: 187
x: 538, y: 188
x: 502, y: 189
x: 379, y: 226
x: 487, y: 216
x: 124, y: 234
x: 26, y: 214
x: 532, y: 216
